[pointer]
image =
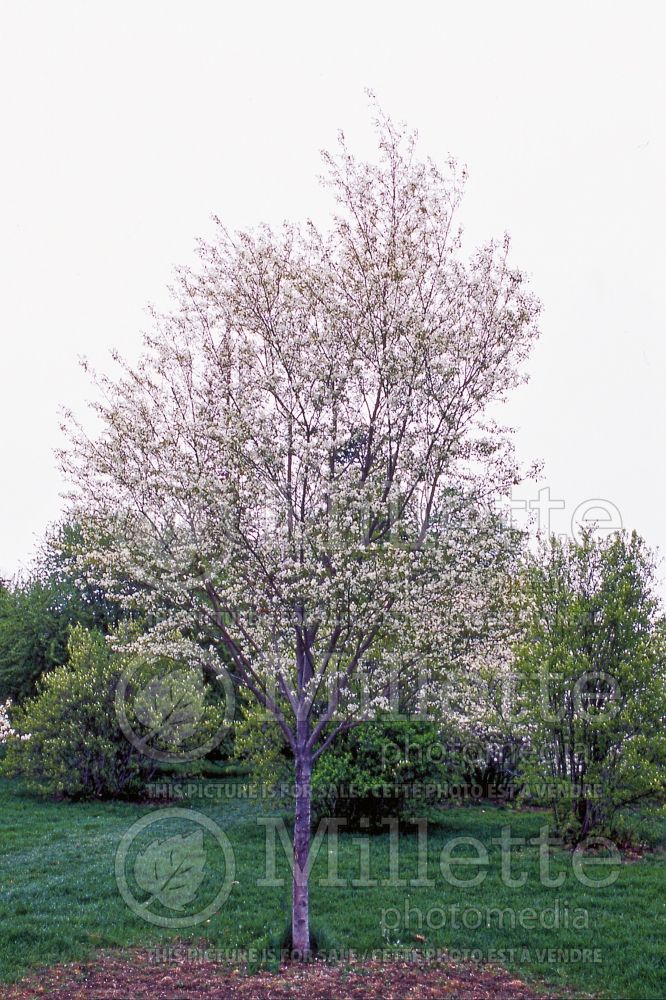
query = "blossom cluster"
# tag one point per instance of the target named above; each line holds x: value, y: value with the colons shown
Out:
x: 300, y: 474
x: 6, y: 730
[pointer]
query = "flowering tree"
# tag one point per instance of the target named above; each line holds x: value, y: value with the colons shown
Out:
x: 302, y: 466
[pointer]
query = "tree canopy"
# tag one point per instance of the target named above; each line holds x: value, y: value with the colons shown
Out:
x: 38, y: 612
x: 304, y: 461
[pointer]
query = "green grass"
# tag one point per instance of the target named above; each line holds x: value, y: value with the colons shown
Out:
x: 59, y: 900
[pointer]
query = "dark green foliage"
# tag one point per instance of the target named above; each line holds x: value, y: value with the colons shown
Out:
x: 489, y: 762
x: 385, y: 768
x: 34, y: 623
x: 36, y: 615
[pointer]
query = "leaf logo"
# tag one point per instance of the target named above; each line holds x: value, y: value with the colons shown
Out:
x: 170, y: 708
x: 172, y: 870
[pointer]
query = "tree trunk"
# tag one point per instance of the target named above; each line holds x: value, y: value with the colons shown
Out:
x: 300, y: 913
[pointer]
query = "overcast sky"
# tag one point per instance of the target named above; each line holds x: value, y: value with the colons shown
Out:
x: 124, y: 126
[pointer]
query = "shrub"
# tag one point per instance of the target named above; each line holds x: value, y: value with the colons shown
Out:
x: 76, y: 747
x: 384, y: 768
x: 388, y: 767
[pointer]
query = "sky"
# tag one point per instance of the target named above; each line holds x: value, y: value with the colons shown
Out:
x: 125, y: 126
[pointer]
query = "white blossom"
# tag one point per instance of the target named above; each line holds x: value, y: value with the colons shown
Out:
x: 300, y: 473
x: 6, y: 729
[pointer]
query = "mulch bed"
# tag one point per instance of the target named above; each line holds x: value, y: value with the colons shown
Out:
x: 131, y: 973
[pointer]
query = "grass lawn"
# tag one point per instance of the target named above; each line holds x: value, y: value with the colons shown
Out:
x: 59, y: 900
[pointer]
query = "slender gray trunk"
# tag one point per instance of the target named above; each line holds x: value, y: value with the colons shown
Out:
x: 300, y: 913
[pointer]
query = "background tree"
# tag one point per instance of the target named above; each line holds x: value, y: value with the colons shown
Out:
x: 591, y: 675
x: 38, y: 612
x: 303, y: 459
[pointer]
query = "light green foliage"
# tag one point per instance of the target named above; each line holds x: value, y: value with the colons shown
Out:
x: 171, y: 709
x: 259, y: 742
x: 76, y: 746
x: 592, y: 679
